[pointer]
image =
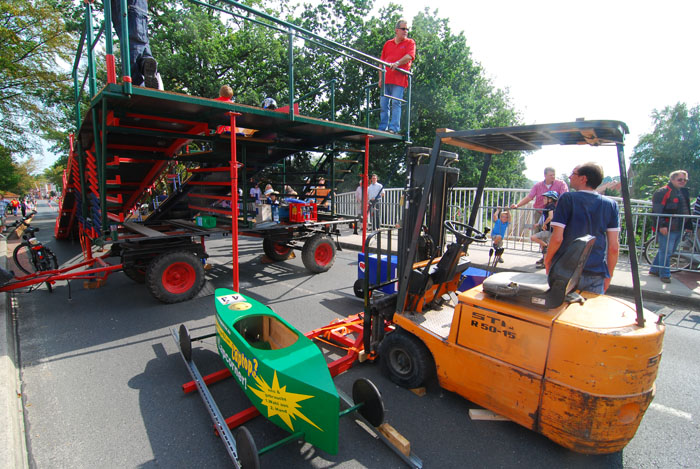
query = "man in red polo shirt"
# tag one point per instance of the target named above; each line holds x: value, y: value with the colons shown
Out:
x: 398, y: 52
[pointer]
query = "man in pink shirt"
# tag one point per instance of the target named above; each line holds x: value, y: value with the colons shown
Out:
x: 398, y: 52
x: 550, y: 183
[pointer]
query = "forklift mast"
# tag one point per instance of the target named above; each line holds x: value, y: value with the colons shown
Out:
x: 422, y: 234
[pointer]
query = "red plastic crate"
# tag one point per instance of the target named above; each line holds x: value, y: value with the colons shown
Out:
x: 302, y: 212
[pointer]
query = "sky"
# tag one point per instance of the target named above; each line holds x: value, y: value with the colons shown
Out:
x: 561, y: 60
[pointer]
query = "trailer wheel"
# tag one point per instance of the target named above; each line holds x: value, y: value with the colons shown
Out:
x: 405, y: 359
x: 136, y: 273
x: 318, y: 253
x: 246, y: 449
x: 175, y: 276
x: 276, y: 251
x: 185, y: 342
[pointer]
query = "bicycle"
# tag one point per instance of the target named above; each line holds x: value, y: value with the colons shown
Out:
x: 683, y: 258
x: 31, y: 256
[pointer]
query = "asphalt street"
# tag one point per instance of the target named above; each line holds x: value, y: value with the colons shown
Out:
x: 101, y: 381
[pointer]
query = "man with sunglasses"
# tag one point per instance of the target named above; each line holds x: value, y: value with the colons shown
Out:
x: 398, y: 52
x: 672, y: 199
x: 586, y: 212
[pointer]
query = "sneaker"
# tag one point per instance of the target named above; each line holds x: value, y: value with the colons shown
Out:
x: 666, y: 279
x: 653, y: 274
x: 500, y: 260
x: 539, y: 265
x: 150, y: 70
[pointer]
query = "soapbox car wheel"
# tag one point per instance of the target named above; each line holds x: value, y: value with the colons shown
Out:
x: 405, y: 359
x: 246, y: 449
x: 185, y: 342
x: 175, y: 276
x: 276, y: 251
x: 318, y: 253
x: 357, y: 288
x: 366, y: 393
x: 464, y: 232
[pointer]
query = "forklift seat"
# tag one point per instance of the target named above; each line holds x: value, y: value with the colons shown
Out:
x: 542, y: 291
x: 451, y: 263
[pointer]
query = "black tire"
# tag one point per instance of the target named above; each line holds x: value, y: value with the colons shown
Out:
x: 357, y: 288
x: 366, y: 393
x: 136, y: 273
x: 175, y: 276
x: 405, y: 360
x: 22, y: 256
x: 246, y: 449
x: 185, y: 342
x: 318, y: 253
x: 679, y: 260
x: 276, y: 251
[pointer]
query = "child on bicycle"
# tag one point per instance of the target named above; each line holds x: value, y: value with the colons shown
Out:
x: 501, y: 220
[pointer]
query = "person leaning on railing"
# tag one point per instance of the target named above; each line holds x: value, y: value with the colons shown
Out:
x: 672, y: 199
x: 399, y: 52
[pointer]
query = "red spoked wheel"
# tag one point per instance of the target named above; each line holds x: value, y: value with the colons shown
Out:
x: 178, y: 277
x: 318, y: 253
x: 276, y: 251
x: 175, y: 276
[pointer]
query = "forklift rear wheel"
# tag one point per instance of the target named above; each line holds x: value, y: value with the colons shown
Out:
x: 405, y: 359
x: 357, y: 288
x: 318, y: 253
x: 185, y: 342
x: 175, y: 276
x: 276, y: 251
x: 366, y: 393
x: 246, y: 449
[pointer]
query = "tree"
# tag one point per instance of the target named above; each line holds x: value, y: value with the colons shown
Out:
x: 673, y: 144
x: 33, y: 41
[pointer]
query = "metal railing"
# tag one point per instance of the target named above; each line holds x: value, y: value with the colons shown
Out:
x: 686, y: 257
x: 90, y: 40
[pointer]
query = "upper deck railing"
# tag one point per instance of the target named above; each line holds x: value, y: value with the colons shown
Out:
x: 91, y: 40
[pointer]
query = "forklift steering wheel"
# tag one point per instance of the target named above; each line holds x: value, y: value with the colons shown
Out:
x: 460, y: 230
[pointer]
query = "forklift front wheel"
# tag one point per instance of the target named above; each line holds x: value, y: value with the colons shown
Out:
x: 318, y: 253
x: 246, y: 449
x: 405, y: 359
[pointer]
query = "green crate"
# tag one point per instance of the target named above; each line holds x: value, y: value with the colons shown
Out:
x: 206, y: 221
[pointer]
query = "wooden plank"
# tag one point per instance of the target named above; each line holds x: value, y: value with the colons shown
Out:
x: 396, y: 439
x: 484, y: 414
x: 144, y: 230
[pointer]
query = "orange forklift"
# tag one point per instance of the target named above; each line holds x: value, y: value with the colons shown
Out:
x: 578, y: 368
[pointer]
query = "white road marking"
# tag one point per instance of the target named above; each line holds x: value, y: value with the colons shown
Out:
x: 672, y: 411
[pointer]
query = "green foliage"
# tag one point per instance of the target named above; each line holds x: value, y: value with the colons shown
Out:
x: 673, y: 144
x: 33, y: 42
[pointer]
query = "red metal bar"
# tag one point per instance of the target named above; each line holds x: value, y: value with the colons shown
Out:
x: 111, y: 69
x: 234, y: 203
x: 212, y: 378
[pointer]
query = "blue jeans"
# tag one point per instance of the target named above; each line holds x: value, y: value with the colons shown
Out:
x: 385, y: 102
x: 591, y: 283
x: 138, y: 34
x: 668, y: 244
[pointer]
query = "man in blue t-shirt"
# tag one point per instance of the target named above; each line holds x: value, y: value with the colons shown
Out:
x: 586, y: 212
